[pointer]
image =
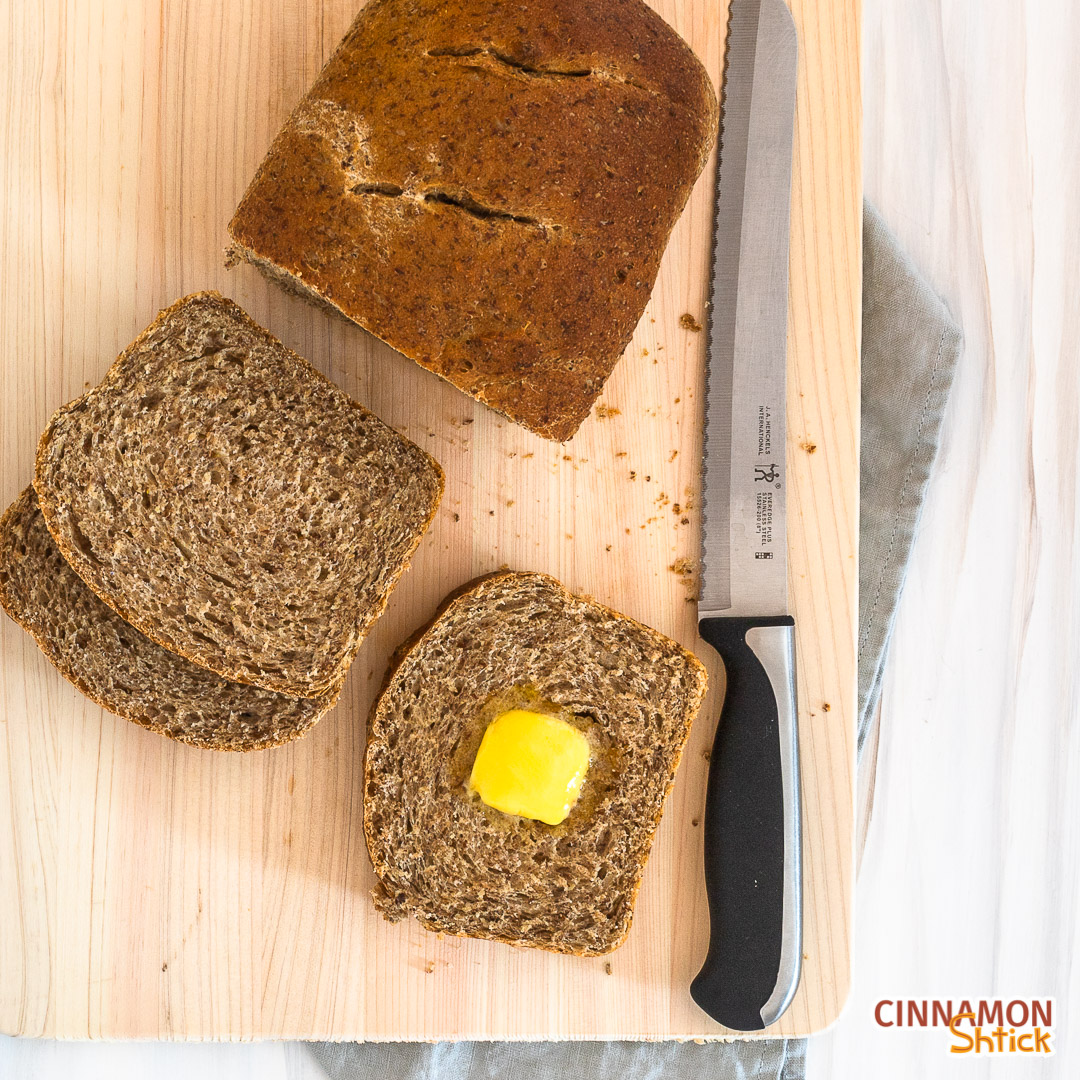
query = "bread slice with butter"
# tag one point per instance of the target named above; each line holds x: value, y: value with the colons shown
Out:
x: 489, y: 707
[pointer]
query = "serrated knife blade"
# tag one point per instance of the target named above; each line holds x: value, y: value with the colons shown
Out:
x: 752, y: 828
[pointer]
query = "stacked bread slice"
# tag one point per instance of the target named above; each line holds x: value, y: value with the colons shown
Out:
x: 212, y: 531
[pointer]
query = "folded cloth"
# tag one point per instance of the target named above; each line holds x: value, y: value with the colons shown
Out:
x: 910, y: 347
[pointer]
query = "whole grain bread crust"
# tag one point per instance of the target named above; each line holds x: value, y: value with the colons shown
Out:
x: 489, y: 188
x: 394, y: 901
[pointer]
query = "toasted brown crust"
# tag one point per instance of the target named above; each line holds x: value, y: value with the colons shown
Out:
x: 124, y: 671
x: 231, y: 503
x: 489, y: 188
x: 461, y: 868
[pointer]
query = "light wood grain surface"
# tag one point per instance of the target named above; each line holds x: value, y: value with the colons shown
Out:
x: 153, y: 890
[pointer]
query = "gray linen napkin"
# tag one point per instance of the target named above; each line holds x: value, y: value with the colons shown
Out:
x: 910, y: 348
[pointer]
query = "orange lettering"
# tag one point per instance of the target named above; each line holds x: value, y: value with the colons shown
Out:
x: 955, y: 1048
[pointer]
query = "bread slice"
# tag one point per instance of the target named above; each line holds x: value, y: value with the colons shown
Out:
x: 460, y: 867
x: 489, y: 187
x: 119, y: 668
x: 233, y: 504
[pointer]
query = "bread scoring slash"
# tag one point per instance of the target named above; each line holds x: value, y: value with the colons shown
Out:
x: 489, y: 187
x: 460, y: 866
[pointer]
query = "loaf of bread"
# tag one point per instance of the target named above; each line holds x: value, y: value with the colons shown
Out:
x: 231, y: 503
x: 119, y: 668
x: 518, y: 640
x: 488, y: 187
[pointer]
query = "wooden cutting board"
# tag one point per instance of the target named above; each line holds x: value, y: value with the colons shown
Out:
x: 152, y: 890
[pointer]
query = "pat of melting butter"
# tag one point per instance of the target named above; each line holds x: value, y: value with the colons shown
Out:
x: 531, y: 765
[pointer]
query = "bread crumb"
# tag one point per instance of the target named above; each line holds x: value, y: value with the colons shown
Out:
x: 809, y: 447
x: 468, y: 420
x: 165, y: 965
x: 644, y: 352
x: 608, y: 548
x: 706, y: 754
x: 826, y: 707
x: 676, y: 509
x: 567, y: 457
x: 627, y: 532
x: 695, y: 822
x: 569, y: 536
x: 529, y: 454
x: 688, y: 322
x: 621, y: 453
x: 491, y: 513
x: 633, y: 474
x: 509, y: 502
x: 429, y: 967
x: 684, y: 521
x: 603, y: 412
x: 674, y: 455
x: 607, y: 968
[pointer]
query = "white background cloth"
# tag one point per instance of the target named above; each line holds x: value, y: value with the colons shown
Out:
x: 970, y: 883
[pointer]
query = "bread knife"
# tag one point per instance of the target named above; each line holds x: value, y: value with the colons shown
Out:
x: 752, y: 829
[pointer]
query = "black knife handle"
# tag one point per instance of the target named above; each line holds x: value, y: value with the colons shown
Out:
x: 752, y: 833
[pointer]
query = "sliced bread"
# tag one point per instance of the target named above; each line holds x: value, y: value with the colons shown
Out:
x: 520, y: 640
x: 119, y: 668
x: 231, y: 503
x: 489, y: 187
